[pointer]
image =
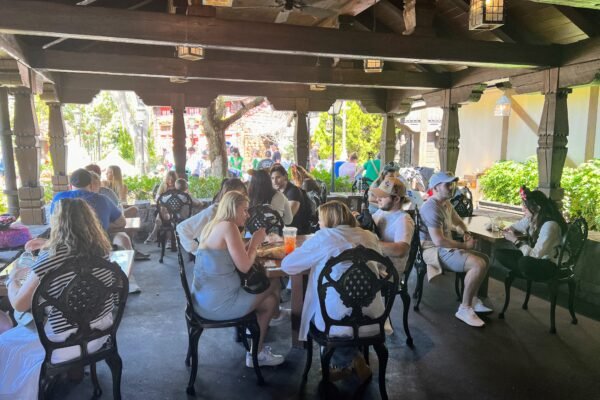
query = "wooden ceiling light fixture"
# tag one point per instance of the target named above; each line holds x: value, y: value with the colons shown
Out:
x: 486, y: 14
x: 373, y: 65
x: 190, y: 53
x: 318, y: 88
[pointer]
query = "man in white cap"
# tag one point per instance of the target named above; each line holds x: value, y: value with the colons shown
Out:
x: 395, y: 226
x: 441, y: 251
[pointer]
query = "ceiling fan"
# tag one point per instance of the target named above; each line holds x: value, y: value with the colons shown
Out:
x: 287, y: 7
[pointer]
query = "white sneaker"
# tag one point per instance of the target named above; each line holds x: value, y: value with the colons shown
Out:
x: 479, y: 307
x: 284, y: 315
x: 265, y: 358
x: 387, y: 327
x: 468, y: 316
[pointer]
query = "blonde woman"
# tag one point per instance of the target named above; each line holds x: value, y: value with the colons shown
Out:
x: 339, y: 231
x: 114, y: 181
x: 75, y: 230
x: 167, y: 184
x: 216, y: 288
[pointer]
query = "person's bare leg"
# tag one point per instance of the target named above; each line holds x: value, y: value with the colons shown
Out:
x: 275, y: 288
x: 152, y: 236
x: 264, y: 313
x: 476, y: 268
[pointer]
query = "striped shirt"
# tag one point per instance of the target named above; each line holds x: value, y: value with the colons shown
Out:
x: 47, y: 263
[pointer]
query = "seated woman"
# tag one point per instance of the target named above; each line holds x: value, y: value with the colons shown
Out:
x: 167, y: 184
x: 216, y: 287
x: 537, y: 238
x: 75, y: 230
x: 261, y: 191
x: 114, y: 181
x: 339, y: 231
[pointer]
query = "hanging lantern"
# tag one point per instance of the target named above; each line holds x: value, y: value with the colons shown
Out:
x: 190, y: 53
x: 503, y: 107
x: 373, y: 65
x: 486, y: 14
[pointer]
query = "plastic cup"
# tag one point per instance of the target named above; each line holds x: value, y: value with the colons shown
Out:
x: 494, y: 224
x: 289, y: 239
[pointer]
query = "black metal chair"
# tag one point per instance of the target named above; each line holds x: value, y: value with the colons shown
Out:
x: 463, y: 203
x: 196, y: 325
x: 93, y: 287
x: 358, y: 287
x: 572, y: 245
x: 173, y: 207
x: 264, y: 216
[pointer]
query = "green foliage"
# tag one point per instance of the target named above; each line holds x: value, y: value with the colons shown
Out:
x: 342, y: 184
x: 204, y: 187
x: 140, y: 187
x: 125, y: 146
x: 502, y: 180
x: 581, y: 185
x: 363, y: 133
x: 582, y: 192
x: 3, y: 204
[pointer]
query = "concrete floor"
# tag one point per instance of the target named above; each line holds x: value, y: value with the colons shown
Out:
x: 514, y: 358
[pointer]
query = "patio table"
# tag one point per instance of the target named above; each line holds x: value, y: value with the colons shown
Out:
x: 299, y: 283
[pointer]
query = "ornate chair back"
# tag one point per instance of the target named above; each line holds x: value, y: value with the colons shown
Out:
x: 463, y: 203
x: 572, y: 245
x: 264, y: 216
x: 174, y: 206
x: 82, y: 290
x: 358, y: 287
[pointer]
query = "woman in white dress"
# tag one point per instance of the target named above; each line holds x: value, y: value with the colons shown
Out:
x: 75, y: 230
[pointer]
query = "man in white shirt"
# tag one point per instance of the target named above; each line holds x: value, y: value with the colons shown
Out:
x: 396, y: 227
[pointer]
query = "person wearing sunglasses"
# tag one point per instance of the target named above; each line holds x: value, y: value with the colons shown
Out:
x: 440, y: 251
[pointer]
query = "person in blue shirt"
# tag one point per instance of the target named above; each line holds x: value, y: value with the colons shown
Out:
x: 108, y: 213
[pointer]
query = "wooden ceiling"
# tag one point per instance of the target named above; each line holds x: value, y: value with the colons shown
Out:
x: 256, y: 47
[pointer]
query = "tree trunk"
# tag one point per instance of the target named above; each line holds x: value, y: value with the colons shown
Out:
x: 128, y: 120
x: 214, y: 128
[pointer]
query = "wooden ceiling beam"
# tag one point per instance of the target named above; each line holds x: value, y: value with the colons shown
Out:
x: 57, y: 20
x: 117, y: 64
x: 593, y: 4
x: 578, y: 19
x: 213, y: 88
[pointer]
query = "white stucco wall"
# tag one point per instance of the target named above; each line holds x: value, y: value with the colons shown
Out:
x: 481, y: 131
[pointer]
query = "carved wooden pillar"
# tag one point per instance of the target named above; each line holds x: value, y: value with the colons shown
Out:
x: 552, y: 141
x: 302, y: 138
x: 179, y: 153
x: 388, y: 139
x: 449, y: 136
x: 10, y: 176
x: 27, y: 153
x: 58, y: 149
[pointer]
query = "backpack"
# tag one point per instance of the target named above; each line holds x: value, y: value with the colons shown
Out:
x: 313, y: 201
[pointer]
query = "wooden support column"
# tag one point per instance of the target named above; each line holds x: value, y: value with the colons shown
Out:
x: 388, y: 139
x: 590, y: 137
x: 27, y: 153
x: 10, y: 176
x: 179, y: 151
x: 553, y: 133
x: 58, y: 149
x: 301, y: 135
x: 449, y: 136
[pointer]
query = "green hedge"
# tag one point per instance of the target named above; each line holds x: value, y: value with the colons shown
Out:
x: 342, y: 184
x: 501, y: 183
x: 140, y: 187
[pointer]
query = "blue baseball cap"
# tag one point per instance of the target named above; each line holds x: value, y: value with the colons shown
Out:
x: 441, y: 177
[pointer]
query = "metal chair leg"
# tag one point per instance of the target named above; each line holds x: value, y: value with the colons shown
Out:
x: 326, y: 354
x: 571, y: 283
x: 309, y: 352
x: 366, y: 354
x: 406, y: 303
x: 97, y: 388
x: 507, y: 283
x: 382, y: 355
x: 116, y: 368
x: 527, y: 294
x: 553, y: 286
x: 194, y: 338
x: 163, y: 245
x: 255, y: 333
x: 419, y: 288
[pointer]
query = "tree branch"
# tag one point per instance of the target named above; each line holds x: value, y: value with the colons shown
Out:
x: 240, y: 113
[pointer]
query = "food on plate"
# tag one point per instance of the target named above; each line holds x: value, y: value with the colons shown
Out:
x: 274, y: 250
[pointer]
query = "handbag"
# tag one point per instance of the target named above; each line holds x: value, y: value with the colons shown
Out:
x: 254, y: 281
